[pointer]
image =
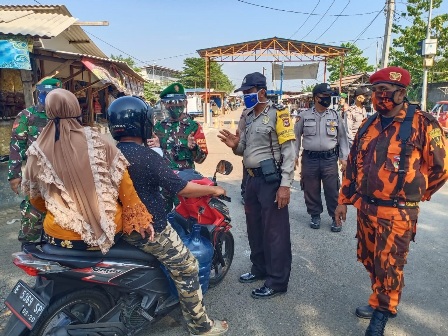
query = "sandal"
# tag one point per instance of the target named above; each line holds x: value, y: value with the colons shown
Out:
x: 218, y: 328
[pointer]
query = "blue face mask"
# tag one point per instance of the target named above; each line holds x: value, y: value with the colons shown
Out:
x: 251, y: 99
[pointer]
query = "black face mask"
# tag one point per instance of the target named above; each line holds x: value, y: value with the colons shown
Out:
x: 325, y: 101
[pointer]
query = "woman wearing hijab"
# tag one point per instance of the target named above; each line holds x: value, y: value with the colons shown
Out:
x: 77, y: 178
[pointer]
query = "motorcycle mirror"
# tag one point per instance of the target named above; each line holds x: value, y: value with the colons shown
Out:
x: 224, y: 167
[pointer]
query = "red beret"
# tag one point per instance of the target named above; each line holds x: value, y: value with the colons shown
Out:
x: 391, y: 75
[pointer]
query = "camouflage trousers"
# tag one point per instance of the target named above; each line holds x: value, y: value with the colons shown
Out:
x: 31, y: 222
x: 183, y: 267
x: 383, y: 246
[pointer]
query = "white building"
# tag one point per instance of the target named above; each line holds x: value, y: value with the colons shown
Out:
x: 160, y: 75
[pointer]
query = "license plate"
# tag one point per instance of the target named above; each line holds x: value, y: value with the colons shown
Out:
x: 25, y: 304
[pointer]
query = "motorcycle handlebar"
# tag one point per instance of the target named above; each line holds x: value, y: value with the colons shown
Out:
x: 225, y: 198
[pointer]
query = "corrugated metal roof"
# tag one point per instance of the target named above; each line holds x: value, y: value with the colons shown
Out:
x: 349, y: 80
x: 34, y: 24
x: 71, y: 33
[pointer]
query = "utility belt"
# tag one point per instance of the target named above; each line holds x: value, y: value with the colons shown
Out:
x: 322, y: 155
x: 395, y: 203
x: 268, y: 169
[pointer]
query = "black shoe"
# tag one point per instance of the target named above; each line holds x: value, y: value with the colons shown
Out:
x: 366, y: 312
x: 249, y: 277
x: 265, y: 293
x: 315, y: 222
x: 334, y: 227
x: 377, y: 323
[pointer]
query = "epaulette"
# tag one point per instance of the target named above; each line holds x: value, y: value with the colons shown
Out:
x: 279, y: 107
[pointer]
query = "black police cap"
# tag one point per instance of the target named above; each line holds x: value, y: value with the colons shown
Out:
x: 251, y: 80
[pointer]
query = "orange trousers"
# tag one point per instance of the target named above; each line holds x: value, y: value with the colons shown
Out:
x: 383, y: 246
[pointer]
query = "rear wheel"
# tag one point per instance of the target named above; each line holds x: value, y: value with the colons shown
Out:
x: 226, y: 246
x: 80, y: 307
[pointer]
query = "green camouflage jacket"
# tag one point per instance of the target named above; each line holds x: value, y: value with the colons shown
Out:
x: 173, y: 136
x: 25, y: 130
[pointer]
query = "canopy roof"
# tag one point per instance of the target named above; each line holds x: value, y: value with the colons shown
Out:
x: 352, y: 80
x: 272, y: 49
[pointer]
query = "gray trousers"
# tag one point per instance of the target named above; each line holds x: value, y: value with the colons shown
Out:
x: 317, y: 171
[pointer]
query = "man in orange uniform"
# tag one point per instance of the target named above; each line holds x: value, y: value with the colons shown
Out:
x: 386, y: 184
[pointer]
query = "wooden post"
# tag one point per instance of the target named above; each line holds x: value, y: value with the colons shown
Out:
x: 325, y: 70
x: 27, y: 82
x: 341, y: 68
x: 207, y: 74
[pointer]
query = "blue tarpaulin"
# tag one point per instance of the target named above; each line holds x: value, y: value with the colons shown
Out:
x: 14, y: 52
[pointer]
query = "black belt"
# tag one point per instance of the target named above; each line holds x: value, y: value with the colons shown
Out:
x: 395, y: 203
x: 254, y: 172
x: 322, y: 154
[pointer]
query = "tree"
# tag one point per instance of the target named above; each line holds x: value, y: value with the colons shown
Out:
x: 354, y: 63
x: 404, y: 47
x: 193, y: 75
x: 151, y: 92
x: 127, y: 60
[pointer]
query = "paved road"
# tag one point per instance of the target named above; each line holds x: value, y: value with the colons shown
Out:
x: 326, y: 281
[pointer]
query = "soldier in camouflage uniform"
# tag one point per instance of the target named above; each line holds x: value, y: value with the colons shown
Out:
x: 26, y: 128
x: 180, y: 137
x: 386, y: 183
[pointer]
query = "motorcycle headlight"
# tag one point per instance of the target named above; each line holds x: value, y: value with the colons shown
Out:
x: 221, y: 207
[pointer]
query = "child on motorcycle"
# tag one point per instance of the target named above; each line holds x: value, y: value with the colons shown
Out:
x: 130, y: 123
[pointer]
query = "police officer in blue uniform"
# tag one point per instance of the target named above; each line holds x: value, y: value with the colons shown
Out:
x: 324, y: 141
x: 267, y: 147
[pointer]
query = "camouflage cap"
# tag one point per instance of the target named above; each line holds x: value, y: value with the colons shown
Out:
x: 175, y: 89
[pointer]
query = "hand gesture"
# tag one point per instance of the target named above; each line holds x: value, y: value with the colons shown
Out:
x: 231, y: 140
x: 282, y: 197
x: 343, y: 165
x: 154, y: 141
x: 15, y: 184
x: 149, y: 230
x: 191, y: 141
x: 340, y: 214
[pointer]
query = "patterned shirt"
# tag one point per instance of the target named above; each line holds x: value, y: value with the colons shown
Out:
x: 149, y: 172
x: 25, y: 130
x: 173, y: 136
x: 374, y: 161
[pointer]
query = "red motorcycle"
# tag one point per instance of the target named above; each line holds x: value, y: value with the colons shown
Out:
x: 121, y: 293
x: 214, y: 217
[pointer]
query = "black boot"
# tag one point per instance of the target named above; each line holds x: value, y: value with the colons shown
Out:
x: 377, y: 323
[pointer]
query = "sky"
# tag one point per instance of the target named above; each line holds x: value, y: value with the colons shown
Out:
x: 168, y: 31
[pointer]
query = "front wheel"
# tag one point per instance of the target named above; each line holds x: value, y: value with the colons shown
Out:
x: 81, y: 307
x: 225, y: 247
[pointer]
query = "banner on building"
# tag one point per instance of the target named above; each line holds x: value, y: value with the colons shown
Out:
x: 307, y: 71
x: 14, y: 52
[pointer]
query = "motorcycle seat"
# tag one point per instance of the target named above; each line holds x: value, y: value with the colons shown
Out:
x: 119, y: 251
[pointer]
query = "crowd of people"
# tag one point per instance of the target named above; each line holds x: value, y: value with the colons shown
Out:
x: 389, y: 163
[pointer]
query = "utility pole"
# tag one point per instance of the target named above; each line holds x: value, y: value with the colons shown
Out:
x: 390, y: 4
x: 425, y: 65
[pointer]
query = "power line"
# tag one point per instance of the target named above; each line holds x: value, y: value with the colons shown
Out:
x: 305, y: 20
x: 37, y: 2
x: 371, y: 22
x: 337, y: 17
x: 361, y: 39
x: 319, y: 20
x: 297, y: 12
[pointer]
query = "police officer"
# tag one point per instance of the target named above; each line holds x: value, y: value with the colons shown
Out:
x: 398, y: 159
x: 180, y: 137
x: 356, y: 113
x: 25, y: 130
x: 324, y: 140
x: 267, y: 147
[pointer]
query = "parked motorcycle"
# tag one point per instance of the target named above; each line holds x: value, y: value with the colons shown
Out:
x: 79, y: 293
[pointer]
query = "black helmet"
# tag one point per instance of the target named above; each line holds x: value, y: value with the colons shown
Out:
x: 130, y: 116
